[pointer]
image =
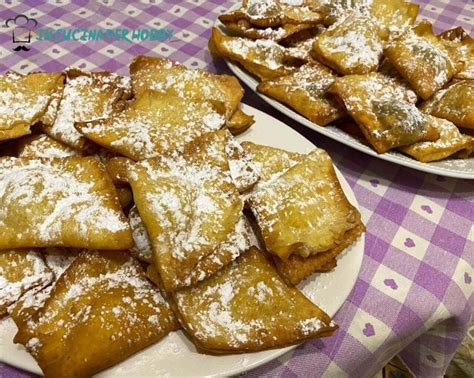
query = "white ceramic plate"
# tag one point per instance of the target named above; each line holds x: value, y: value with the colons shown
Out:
x: 459, y: 168
x: 175, y: 355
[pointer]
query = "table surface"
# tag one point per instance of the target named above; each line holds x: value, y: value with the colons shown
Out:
x: 414, y: 294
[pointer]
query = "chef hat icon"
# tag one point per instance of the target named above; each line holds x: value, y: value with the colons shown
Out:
x: 22, y: 28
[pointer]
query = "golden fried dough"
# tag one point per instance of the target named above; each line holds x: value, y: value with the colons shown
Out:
x: 297, y: 268
x: 100, y: 311
x: 156, y: 123
x: 24, y: 100
x: 271, y: 162
x: 303, y: 211
x: 20, y: 270
x: 243, y: 28
x: 43, y: 146
x: 423, y: 60
x: 190, y: 208
x: 353, y: 45
x: 384, y: 110
x: 451, y: 142
x: 239, y: 122
x: 263, y: 58
x: 305, y: 91
x: 69, y: 202
x: 396, y: 15
x: 86, y: 97
x: 464, y: 44
x: 170, y: 77
x: 454, y: 103
x: 247, y: 307
x: 267, y: 13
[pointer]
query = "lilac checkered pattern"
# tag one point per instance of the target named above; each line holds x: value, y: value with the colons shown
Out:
x: 414, y: 294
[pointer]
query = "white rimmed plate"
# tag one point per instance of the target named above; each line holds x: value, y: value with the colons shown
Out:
x: 175, y: 355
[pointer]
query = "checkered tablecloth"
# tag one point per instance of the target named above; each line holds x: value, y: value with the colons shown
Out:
x: 414, y: 294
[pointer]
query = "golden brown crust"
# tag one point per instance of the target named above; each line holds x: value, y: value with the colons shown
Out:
x: 353, y: 45
x: 87, y: 96
x: 305, y: 91
x: 176, y: 79
x: 384, y: 109
x: 263, y: 58
x: 297, y: 268
x: 260, y: 310
x: 69, y: 202
x: 423, y: 60
x: 25, y: 100
x: 154, y: 124
x: 453, y: 103
x: 304, y: 210
x: 99, y: 312
x: 239, y: 122
x: 191, y: 209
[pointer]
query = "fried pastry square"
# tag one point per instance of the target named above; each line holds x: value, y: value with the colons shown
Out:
x: 166, y: 76
x: 453, y: 103
x: 100, y: 311
x: 335, y: 10
x: 69, y: 202
x: 423, y: 60
x: 460, y: 40
x: 303, y: 211
x: 20, y: 270
x: 384, y: 110
x: 24, y: 100
x: 57, y: 260
x: 86, y: 97
x: 190, y: 208
x: 263, y: 58
x: 353, y: 45
x: 451, y: 143
x: 297, y: 268
x: 239, y: 122
x: 271, y: 162
x: 267, y: 13
x: 396, y: 15
x: 43, y: 146
x: 243, y: 28
x: 305, y: 91
x: 156, y: 123
x: 247, y: 307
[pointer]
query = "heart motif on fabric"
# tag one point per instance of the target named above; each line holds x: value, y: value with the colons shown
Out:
x: 429, y: 357
x: 409, y: 243
x: 374, y: 182
x: 467, y: 278
x: 390, y: 282
x: 427, y: 209
x: 368, y: 330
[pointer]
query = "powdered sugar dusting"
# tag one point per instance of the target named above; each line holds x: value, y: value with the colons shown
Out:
x: 63, y: 196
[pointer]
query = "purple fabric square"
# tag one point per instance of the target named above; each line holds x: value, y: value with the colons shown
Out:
x: 432, y: 280
x: 391, y: 210
x: 448, y: 240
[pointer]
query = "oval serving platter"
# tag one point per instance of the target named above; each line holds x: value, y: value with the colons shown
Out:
x: 175, y: 355
x: 457, y: 168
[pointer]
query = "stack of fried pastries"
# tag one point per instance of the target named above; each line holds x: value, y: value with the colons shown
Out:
x: 366, y: 66
x: 131, y: 211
